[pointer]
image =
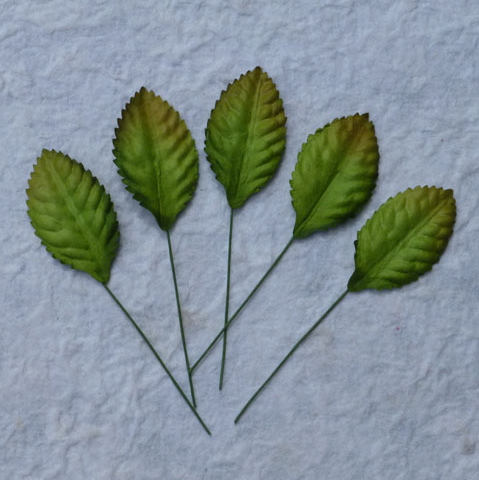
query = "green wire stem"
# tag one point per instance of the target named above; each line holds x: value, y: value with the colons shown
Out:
x: 180, y: 318
x: 227, y: 303
x: 236, y: 314
x: 290, y: 353
x: 155, y: 353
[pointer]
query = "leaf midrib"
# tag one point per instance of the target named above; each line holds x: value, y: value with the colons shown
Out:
x: 252, y: 120
x: 148, y: 139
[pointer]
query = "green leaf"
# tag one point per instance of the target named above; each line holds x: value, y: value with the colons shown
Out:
x: 335, y: 174
x: 156, y: 156
x: 246, y: 135
x: 403, y: 239
x: 72, y: 214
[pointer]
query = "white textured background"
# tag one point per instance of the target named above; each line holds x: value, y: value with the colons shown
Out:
x: 386, y: 388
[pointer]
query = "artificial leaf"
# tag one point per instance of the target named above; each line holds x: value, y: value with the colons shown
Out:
x: 72, y: 214
x: 404, y: 238
x: 246, y: 135
x: 335, y: 174
x: 156, y: 156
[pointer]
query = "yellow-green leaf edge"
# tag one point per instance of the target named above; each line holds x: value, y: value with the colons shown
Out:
x: 73, y: 215
x: 403, y: 239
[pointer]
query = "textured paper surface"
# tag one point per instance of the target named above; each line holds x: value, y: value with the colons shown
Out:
x: 386, y: 388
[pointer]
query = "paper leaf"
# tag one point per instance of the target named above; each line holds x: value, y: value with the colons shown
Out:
x: 72, y: 214
x: 246, y: 135
x: 403, y: 239
x: 335, y: 174
x: 156, y: 156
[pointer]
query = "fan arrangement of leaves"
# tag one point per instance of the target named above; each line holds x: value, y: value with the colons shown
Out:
x: 334, y: 177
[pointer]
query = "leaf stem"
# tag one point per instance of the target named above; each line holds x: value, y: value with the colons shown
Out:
x: 155, y: 353
x: 180, y: 318
x: 248, y: 298
x: 227, y: 303
x: 290, y: 353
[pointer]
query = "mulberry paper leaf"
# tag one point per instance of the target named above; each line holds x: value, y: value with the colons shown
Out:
x: 246, y: 135
x: 335, y: 174
x: 73, y: 215
x: 404, y: 238
x: 156, y: 156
